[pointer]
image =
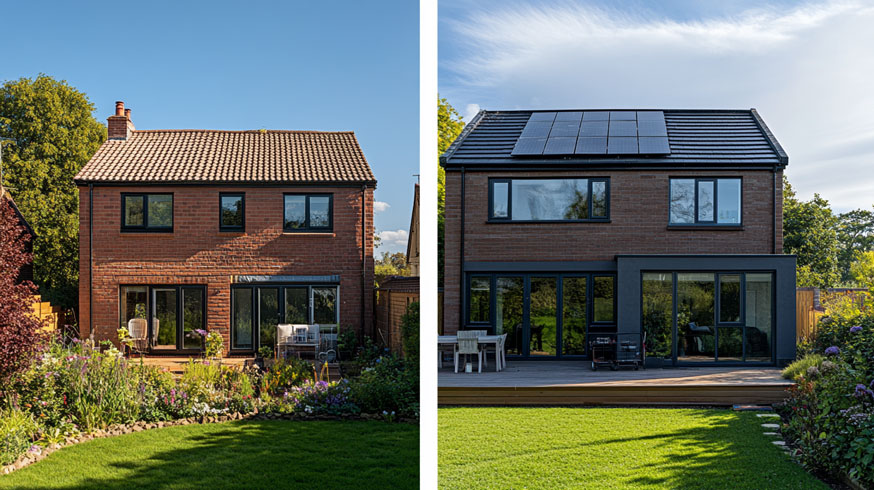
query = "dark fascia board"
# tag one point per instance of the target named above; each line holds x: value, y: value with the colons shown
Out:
x: 784, y: 158
x: 468, y: 128
x: 217, y: 183
x: 601, y: 166
x: 545, y: 266
x: 709, y: 256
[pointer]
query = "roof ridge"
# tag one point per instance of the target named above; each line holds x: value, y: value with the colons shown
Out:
x: 292, y: 131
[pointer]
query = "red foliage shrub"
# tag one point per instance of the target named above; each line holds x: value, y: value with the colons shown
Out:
x: 21, y: 332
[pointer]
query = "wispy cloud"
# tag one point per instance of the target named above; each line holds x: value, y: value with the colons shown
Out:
x: 380, y: 206
x: 393, y: 241
x: 808, y: 70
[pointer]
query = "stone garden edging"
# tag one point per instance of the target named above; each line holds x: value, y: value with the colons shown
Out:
x: 29, y: 458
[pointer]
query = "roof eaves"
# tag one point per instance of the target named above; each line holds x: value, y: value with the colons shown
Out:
x: 254, y: 183
x: 772, y: 140
x: 468, y: 128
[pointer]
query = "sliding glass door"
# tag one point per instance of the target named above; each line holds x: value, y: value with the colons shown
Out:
x: 171, y: 314
x: 257, y: 310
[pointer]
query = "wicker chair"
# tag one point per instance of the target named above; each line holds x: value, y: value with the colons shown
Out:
x: 467, y: 345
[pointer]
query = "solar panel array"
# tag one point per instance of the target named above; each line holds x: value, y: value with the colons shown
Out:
x: 594, y: 133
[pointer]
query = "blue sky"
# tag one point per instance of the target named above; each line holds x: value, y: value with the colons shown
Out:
x: 806, y: 66
x: 342, y: 65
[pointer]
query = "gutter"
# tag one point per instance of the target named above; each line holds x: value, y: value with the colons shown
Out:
x: 363, y: 252
x: 461, y: 279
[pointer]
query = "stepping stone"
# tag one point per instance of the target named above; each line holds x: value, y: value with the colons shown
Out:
x: 770, y: 434
x: 771, y: 426
x: 779, y: 443
x: 744, y: 408
x: 774, y: 415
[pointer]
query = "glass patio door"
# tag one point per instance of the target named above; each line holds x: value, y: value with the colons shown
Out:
x: 268, y: 316
x: 542, y: 318
x: 164, y: 318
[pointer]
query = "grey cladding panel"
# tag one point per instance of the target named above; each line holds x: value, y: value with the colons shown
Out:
x: 622, y: 145
x: 529, y: 146
x: 589, y: 145
x: 560, y: 146
x: 654, y: 145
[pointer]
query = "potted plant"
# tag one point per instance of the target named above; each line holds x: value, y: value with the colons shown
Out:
x: 264, y: 356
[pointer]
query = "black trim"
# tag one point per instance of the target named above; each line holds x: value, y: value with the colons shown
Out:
x: 237, y: 228
x: 589, y: 195
x: 145, y: 227
x: 714, y: 223
x: 307, y: 228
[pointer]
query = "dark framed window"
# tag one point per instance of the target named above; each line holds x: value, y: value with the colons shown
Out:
x: 171, y: 315
x: 537, y: 200
x: 147, y: 212
x: 706, y: 201
x: 232, y: 211
x: 308, y: 212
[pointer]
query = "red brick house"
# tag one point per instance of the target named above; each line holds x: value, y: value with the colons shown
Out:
x: 566, y: 225
x: 228, y: 231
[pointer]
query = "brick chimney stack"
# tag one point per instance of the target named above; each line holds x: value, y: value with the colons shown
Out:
x: 119, y: 125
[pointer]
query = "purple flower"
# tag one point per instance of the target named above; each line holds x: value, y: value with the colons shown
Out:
x: 201, y: 331
x: 857, y: 328
x: 832, y: 351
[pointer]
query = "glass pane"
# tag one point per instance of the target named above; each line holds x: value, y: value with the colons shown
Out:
x: 682, y: 201
x: 603, y: 302
x: 325, y: 305
x: 479, y: 300
x: 729, y: 201
x: 320, y: 211
x: 161, y: 211
x: 268, y: 316
x: 508, y: 318
x: 133, y: 210
x: 696, y: 293
x: 705, y: 201
x: 134, y: 304
x: 729, y: 298
x: 499, y: 199
x: 556, y: 199
x: 599, y: 199
x: 192, y: 317
x: 242, y: 300
x: 658, y: 313
x: 543, y: 302
x: 730, y: 348
x: 164, y: 319
x: 295, y: 211
x: 573, y: 316
x: 232, y: 211
x: 759, y: 317
x: 296, y: 303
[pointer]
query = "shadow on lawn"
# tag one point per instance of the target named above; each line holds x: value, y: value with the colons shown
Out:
x: 257, y: 454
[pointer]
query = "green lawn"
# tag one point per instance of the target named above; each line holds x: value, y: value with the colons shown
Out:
x: 242, y: 454
x: 611, y: 448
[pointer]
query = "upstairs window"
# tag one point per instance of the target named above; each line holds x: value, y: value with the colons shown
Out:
x: 308, y: 212
x: 705, y: 201
x: 549, y: 199
x: 147, y: 212
x: 232, y: 211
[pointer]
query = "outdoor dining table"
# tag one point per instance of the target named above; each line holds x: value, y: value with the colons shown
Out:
x: 482, y: 339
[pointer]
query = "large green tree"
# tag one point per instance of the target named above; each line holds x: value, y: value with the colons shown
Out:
x: 855, y: 235
x: 449, y: 126
x: 54, y: 134
x: 810, y: 232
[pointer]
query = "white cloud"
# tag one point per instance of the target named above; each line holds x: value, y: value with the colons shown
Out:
x: 380, y: 206
x: 470, y: 111
x: 808, y: 70
x: 393, y: 240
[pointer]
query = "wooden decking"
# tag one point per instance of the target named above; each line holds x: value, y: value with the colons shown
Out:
x: 177, y: 364
x: 573, y: 383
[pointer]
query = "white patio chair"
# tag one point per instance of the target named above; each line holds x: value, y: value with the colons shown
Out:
x: 467, y: 345
x: 284, y: 338
x: 498, y: 350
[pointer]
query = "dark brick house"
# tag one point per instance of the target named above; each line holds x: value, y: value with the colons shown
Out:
x: 565, y: 225
x: 231, y: 231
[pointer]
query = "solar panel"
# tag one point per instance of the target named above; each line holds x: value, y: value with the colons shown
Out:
x: 651, y: 128
x: 623, y: 116
x: 529, y: 146
x: 560, y: 146
x: 650, y: 116
x: 623, y: 128
x: 596, y: 116
x: 591, y: 145
x: 593, y: 128
x: 562, y: 128
x: 542, y: 116
x: 569, y: 116
x: 537, y: 129
x: 622, y: 145
x: 657, y: 145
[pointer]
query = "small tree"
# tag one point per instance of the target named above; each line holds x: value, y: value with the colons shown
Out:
x: 862, y: 269
x: 21, y: 332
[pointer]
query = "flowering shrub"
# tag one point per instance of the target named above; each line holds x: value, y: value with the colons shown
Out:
x: 17, y: 430
x: 389, y: 385
x: 219, y: 387
x: 319, y: 397
x: 285, y: 374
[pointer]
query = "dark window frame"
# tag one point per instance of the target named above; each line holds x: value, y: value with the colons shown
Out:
x: 307, y: 228
x: 715, y: 222
x: 180, y: 319
x: 224, y: 227
x: 145, y: 228
x: 509, y: 218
